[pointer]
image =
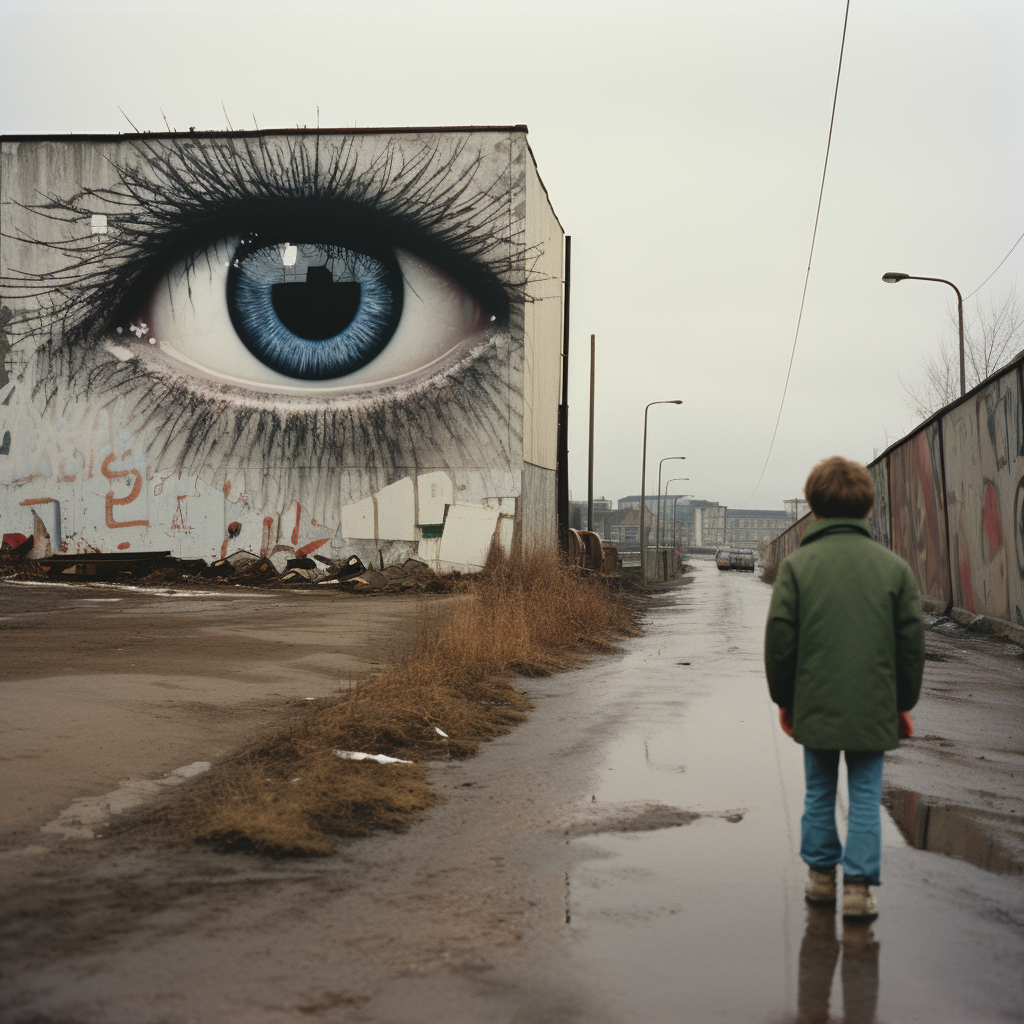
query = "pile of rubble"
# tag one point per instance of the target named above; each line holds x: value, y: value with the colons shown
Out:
x: 159, y: 568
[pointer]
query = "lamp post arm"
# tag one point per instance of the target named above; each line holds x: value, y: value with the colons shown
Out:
x: 960, y: 321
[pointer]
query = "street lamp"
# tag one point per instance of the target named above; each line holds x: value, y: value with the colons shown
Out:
x: 657, y: 522
x: 661, y: 517
x: 643, y: 485
x: 675, y: 498
x: 892, y: 278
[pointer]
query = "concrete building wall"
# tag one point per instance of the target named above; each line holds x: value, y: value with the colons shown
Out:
x: 543, y: 320
x: 160, y: 391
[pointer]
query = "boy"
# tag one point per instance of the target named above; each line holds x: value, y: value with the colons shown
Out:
x: 844, y: 655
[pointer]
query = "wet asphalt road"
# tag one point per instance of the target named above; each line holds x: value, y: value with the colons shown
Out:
x: 628, y: 855
x: 706, y: 921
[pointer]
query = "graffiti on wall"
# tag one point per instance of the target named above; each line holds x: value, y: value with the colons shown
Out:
x: 305, y: 332
x: 917, y: 513
x: 984, y: 455
x: 788, y: 541
x: 975, y: 483
x: 879, y: 519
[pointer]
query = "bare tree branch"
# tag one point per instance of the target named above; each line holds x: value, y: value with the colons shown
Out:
x: 992, y: 337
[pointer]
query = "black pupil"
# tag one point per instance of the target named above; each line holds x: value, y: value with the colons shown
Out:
x: 317, y: 308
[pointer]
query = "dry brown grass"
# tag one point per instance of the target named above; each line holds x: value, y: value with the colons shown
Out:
x: 285, y: 793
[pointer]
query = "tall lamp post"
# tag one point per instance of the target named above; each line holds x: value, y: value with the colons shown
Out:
x: 661, y: 518
x: 675, y: 498
x: 892, y: 278
x: 657, y: 522
x: 643, y: 486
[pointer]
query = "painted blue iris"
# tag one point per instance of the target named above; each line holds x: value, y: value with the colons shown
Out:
x: 313, y: 311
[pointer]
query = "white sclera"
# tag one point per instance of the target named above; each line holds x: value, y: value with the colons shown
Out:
x: 189, y: 314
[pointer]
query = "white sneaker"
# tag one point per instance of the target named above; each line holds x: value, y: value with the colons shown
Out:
x: 821, y: 887
x: 858, y: 901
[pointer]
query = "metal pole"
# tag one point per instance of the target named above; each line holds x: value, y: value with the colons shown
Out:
x: 643, y: 488
x: 960, y: 315
x: 675, y: 524
x: 725, y: 516
x: 676, y: 499
x: 675, y: 519
x: 590, y: 449
x: 643, y: 504
x: 563, y: 411
x: 657, y: 526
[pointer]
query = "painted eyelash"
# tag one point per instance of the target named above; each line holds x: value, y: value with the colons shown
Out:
x: 468, y: 415
x: 426, y: 201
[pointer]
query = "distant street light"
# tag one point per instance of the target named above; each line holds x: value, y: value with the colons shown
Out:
x: 643, y: 486
x: 661, y: 518
x: 675, y: 498
x: 892, y: 278
x: 657, y: 522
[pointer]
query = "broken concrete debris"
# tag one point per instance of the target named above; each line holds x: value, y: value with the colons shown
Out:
x: 239, y: 568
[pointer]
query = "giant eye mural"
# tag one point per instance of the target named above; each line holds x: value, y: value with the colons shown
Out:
x: 280, y: 342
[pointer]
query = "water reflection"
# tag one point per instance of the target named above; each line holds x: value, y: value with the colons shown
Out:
x: 819, y: 953
x: 949, y: 830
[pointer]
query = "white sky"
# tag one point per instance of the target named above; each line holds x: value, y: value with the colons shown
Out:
x: 682, y: 146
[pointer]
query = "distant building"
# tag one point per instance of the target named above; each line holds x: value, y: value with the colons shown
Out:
x: 615, y: 526
x: 707, y: 524
x: 698, y: 523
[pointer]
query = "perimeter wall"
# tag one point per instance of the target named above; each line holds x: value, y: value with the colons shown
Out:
x: 950, y: 501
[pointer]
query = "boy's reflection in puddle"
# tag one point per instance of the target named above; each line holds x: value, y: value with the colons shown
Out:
x: 819, y: 952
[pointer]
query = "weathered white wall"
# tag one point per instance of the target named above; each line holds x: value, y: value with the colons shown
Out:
x: 542, y: 333
x: 540, y: 512
x: 123, y: 453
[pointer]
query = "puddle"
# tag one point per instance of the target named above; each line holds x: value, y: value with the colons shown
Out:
x: 647, y: 818
x: 953, y: 831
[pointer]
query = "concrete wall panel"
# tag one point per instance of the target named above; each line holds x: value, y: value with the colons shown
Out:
x: 918, y: 516
x: 467, y: 537
x: 984, y: 458
x: 881, y: 524
x: 538, y: 519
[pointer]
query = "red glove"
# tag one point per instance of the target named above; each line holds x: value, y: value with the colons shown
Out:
x: 904, y: 724
x: 786, y: 720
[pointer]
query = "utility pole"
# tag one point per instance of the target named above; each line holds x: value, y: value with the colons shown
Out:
x: 590, y: 449
x: 562, y: 477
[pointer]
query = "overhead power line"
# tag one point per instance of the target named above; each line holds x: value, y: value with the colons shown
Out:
x: 807, y: 276
x: 993, y: 274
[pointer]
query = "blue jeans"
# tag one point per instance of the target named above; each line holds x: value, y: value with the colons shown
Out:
x: 819, y: 841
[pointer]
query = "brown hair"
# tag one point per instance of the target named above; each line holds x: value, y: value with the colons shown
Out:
x: 840, y: 488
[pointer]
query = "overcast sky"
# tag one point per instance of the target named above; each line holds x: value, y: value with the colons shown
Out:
x: 682, y: 146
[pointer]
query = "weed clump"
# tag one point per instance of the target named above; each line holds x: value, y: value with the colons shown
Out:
x: 286, y: 793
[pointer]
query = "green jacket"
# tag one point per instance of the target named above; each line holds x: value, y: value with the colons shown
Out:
x: 844, y: 644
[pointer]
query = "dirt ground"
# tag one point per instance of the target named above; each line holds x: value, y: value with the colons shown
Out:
x: 464, y: 917
x: 104, y: 683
